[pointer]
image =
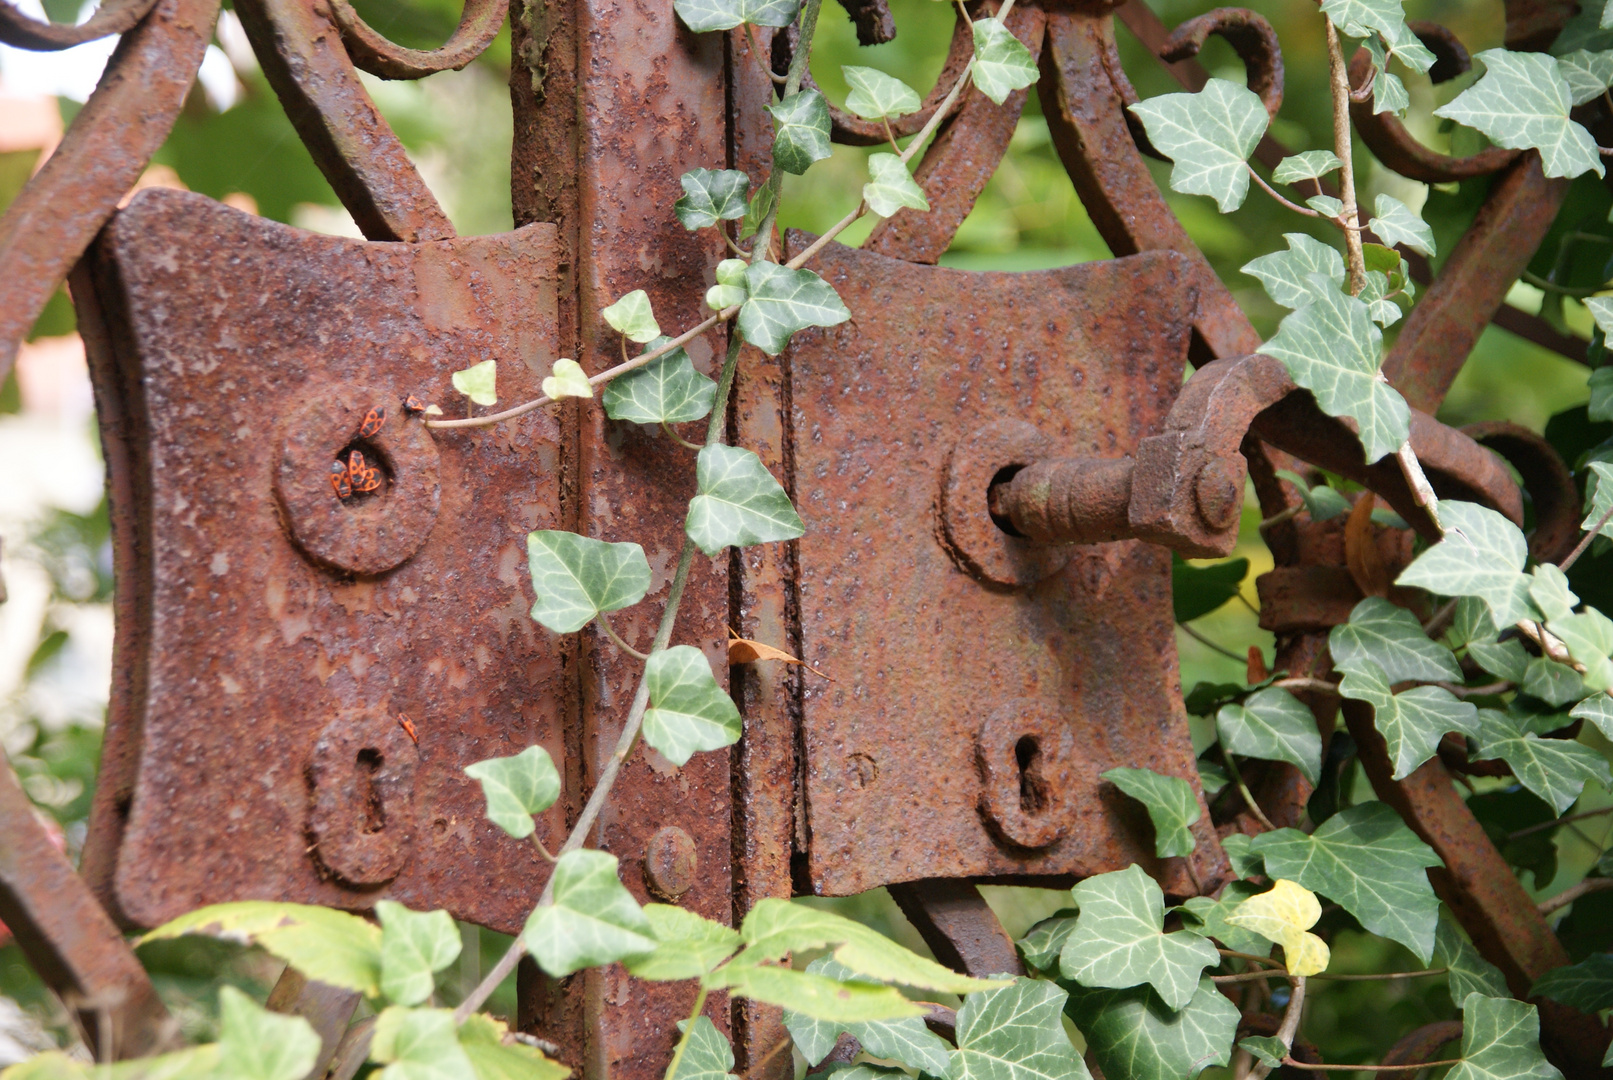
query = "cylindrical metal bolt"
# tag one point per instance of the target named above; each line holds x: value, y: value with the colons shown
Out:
x: 1218, y: 491
x: 670, y: 862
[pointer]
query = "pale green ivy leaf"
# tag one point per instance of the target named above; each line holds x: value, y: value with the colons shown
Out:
x: 633, y: 318
x: 577, y: 577
x: 1522, y: 103
x: 419, y: 1044
x: 414, y: 946
x: 592, y: 920
x: 326, y: 945
x: 1392, y: 638
x: 1364, y: 18
x: 1397, y: 223
x: 1132, y: 1033
x: 1211, y: 916
x: 1550, y: 592
x: 688, y: 711
x: 567, y: 379
x: 802, y: 131
x: 1171, y: 806
x: 703, y: 15
x: 261, y: 1045
x: 1208, y: 136
x: 877, y: 96
x: 1554, y: 769
x: 1002, y: 63
x: 706, y: 1053
x: 1601, y: 309
x: 1501, y: 1041
x: 737, y: 502
x: 905, y: 1039
x: 479, y: 382
x: 1586, y: 73
x: 1388, y: 91
x: 1043, y: 942
x: 687, y: 945
x: 516, y: 788
x: 1483, y: 555
x: 890, y: 186
x: 761, y: 204
x: 1274, y: 725
x: 783, y: 301
x: 668, y: 390
x: 1286, y: 274
x: 811, y: 995
x: 1326, y: 205
x: 1551, y: 682
x: 482, y: 1039
x: 1266, y: 1049
x: 1306, y: 166
x: 1118, y: 941
x: 1015, y: 1033
x: 710, y: 196
x: 1598, y: 709
x: 1466, y: 971
x: 1589, y: 637
x: 1503, y: 659
x: 1600, y: 499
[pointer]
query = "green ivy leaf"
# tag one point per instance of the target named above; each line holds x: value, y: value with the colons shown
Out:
x: 688, y: 710
x: 1246, y: 862
x: 1171, y: 804
x: 906, y: 1039
x: 1586, y: 73
x: 1589, y: 637
x: 1118, y: 941
x: 1501, y: 1041
x: 703, y: 15
x: 1411, y: 722
x: 1043, y: 942
x: 687, y: 945
x: 1466, y: 971
x: 1364, y: 18
x: 261, y: 1045
x: 761, y: 204
x: 1266, y: 1049
x: 323, y: 944
x: 419, y: 1044
x: 783, y: 301
x: 710, y: 196
x: 1368, y: 861
x: 1199, y: 590
x: 1548, y: 588
x: 1211, y: 916
x: 516, y: 788
x: 414, y: 946
x: 1306, y: 166
x: 632, y: 317
x: 811, y: 995
x: 1598, y: 709
x: 1398, y: 223
x: 1331, y: 347
x: 1482, y: 555
x: 668, y: 390
x: 1522, y: 103
x: 1326, y: 205
x: 1014, y: 1033
x: 577, y: 577
x: 877, y: 96
x: 1208, y: 136
x: 1388, y: 91
x: 1002, y: 63
x: 1131, y: 1033
x: 1599, y: 492
x: 776, y: 927
x: 737, y: 502
x: 479, y: 382
x: 1393, y: 639
x: 1274, y: 725
x: 706, y: 1053
x: 1586, y: 986
x: 1551, y: 682
x: 1554, y: 769
x: 802, y: 123
x: 1601, y: 309
x: 482, y: 1039
x: 1503, y: 659
x: 592, y: 920
x: 1321, y: 502
x: 890, y: 186
x: 567, y: 380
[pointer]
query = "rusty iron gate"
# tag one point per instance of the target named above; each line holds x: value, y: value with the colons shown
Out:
x: 1011, y: 474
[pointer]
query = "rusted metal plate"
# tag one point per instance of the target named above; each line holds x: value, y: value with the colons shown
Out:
x: 257, y: 752
x: 969, y: 719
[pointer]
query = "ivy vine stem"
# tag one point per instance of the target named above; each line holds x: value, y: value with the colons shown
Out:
x: 688, y: 1030
x: 1371, y: 1068
x: 1355, y: 259
x: 1296, y: 1000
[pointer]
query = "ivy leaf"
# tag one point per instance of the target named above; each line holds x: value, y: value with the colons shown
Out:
x: 1586, y: 986
x: 706, y: 1053
x: 1421, y: 717
x: 1274, y: 725
x: 668, y: 390
x: 1284, y: 914
x: 1554, y: 769
x: 730, y: 288
x: 1043, y: 942
x: 418, y: 1044
x: 414, y: 946
x: 1171, y: 804
x: 577, y: 577
x: 1501, y: 1041
x: 1601, y: 309
x: 1306, y: 166
x: 783, y: 301
x: 1586, y: 73
x: 1466, y: 971
x: 1481, y: 555
x: 1326, y: 205
x: 775, y: 927
x: 890, y: 186
x: 1551, y: 682
x: 482, y: 1039
x: 1208, y: 136
x: 1364, y: 18
x: 761, y: 204
x: 1601, y: 496
x: 632, y: 317
x: 1589, y: 637
x: 1550, y: 592
x: 261, y: 1045
x: 1393, y: 639
x: 1199, y: 590
x: 905, y: 1039
x: 688, y: 710
x: 1132, y: 1033
x: 687, y: 945
x: 1503, y: 659
x: 1522, y: 103
x: 737, y: 502
x: 1368, y: 861
x: 1118, y: 941
x: 703, y: 15
x: 592, y: 920
x: 516, y: 788
x: 811, y: 995
x: 1331, y: 347
x: 802, y: 124
x: 1014, y: 1033
x: 710, y: 196
x: 1398, y: 223
x: 479, y: 382
x: 1598, y: 709
x: 876, y: 95
x: 1002, y: 63
x: 323, y: 944
x: 1321, y: 501
x: 1266, y: 1049
x: 1246, y: 862
x: 567, y: 380
x: 1388, y: 91
x: 1211, y: 916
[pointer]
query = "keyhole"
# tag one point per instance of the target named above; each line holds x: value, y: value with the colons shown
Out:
x: 369, y: 764
x: 1032, y: 792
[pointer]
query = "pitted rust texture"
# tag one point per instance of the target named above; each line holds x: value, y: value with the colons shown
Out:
x: 270, y: 686
x: 1250, y: 36
x: 922, y: 652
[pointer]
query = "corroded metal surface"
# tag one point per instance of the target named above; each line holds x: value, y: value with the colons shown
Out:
x: 259, y: 754
x: 478, y: 26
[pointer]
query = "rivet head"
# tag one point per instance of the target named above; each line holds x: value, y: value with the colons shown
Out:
x: 670, y: 863
x: 1218, y: 491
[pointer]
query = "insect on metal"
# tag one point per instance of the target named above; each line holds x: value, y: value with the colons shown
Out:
x: 408, y: 728
x: 372, y: 423
x: 413, y: 405
x: 340, y: 480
